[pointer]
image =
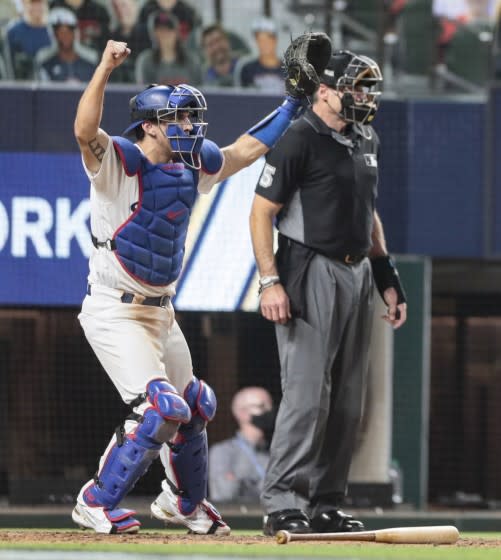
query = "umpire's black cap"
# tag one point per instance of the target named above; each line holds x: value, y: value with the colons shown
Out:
x: 336, y: 67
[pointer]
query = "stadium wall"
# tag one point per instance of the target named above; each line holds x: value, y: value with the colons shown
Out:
x: 432, y: 193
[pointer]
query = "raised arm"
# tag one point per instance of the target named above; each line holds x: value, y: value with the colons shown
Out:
x: 260, y: 138
x: 92, y: 139
x: 304, y: 59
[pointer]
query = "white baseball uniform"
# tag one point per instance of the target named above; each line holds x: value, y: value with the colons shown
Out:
x: 134, y: 343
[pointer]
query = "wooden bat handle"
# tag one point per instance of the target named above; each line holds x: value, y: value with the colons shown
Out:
x: 434, y: 534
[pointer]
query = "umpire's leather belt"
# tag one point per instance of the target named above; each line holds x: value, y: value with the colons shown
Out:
x: 127, y: 297
x: 350, y: 259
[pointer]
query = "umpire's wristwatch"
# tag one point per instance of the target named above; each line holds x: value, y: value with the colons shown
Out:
x: 267, y: 282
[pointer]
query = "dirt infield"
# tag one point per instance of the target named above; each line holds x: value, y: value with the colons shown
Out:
x: 152, y: 537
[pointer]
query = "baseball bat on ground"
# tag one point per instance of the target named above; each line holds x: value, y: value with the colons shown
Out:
x: 435, y: 534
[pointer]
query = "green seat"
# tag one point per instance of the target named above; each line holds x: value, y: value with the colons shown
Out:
x: 237, y: 43
x: 365, y: 12
x: 468, y: 55
x: 417, y: 31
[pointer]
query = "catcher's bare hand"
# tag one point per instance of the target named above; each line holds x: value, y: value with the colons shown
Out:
x: 114, y: 54
x: 304, y: 61
x: 275, y: 304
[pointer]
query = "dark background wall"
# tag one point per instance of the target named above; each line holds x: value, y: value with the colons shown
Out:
x: 433, y: 185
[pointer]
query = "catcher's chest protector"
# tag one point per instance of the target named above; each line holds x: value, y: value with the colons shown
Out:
x: 150, y: 244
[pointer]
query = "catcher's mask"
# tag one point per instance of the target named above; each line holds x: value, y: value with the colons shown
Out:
x: 359, y: 79
x: 172, y: 104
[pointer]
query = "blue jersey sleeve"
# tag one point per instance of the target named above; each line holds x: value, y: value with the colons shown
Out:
x: 270, y: 129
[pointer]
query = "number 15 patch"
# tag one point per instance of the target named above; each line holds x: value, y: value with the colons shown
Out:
x: 266, y: 178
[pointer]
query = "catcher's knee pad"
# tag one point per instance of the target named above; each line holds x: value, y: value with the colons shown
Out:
x: 201, y: 400
x: 136, y: 444
x: 169, y: 409
x: 188, y: 455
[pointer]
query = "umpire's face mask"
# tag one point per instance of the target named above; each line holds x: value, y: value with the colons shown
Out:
x: 266, y: 423
x: 360, y: 85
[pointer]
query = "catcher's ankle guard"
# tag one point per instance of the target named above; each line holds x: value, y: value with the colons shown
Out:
x: 270, y: 129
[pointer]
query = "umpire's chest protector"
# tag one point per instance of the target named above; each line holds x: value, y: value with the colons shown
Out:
x: 150, y: 244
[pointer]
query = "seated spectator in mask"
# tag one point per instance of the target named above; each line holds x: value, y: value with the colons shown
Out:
x: 220, y: 61
x: 237, y: 465
x: 264, y: 72
x: 67, y: 61
x: 24, y: 37
x: 167, y: 62
x: 127, y: 28
x: 93, y: 21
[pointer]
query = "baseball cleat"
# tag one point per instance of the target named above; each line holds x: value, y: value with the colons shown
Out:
x: 335, y: 521
x: 103, y: 520
x: 290, y: 520
x: 205, y: 520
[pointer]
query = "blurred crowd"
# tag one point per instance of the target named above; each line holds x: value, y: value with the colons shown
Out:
x: 62, y: 40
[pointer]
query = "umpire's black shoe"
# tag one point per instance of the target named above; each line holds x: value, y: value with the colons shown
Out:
x: 292, y: 520
x: 335, y: 521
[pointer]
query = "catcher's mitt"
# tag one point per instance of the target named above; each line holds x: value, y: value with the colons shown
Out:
x: 304, y: 60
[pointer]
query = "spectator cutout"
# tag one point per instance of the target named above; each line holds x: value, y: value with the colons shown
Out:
x: 24, y: 37
x: 264, y: 72
x: 67, y: 61
x: 167, y: 62
x: 220, y: 61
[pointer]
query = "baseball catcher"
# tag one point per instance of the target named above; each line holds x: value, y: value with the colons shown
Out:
x: 143, y: 185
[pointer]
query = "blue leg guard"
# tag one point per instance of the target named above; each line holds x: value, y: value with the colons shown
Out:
x: 270, y: 129
x: 132, y: 451
x: 188, y: 456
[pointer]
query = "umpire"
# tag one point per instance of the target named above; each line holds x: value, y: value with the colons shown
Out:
x: 319, y: 184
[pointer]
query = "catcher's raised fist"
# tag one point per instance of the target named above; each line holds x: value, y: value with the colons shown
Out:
x: 304, y: 60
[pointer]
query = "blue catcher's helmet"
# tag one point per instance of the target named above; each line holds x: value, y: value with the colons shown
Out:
x: 164, y: 103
